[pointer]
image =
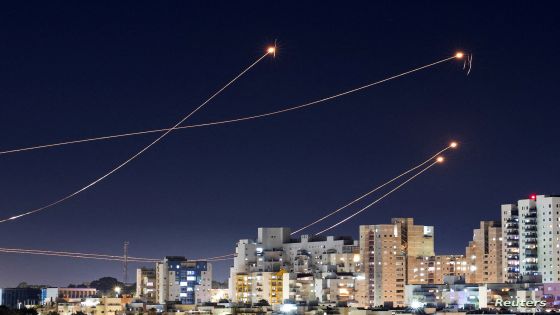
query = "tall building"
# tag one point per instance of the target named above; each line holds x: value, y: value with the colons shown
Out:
x: 385, y: 249
x: 548, y: 228
x: 484, y: 254
x: 146, y: 284
x: 537, y: 236
x: 183, y: 281
x: 276, y: 268
x: 510, y: 244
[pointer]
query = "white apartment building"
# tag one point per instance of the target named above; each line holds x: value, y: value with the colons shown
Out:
x: 538, y: 240
x: 277, y: 267
x: 146, y: 284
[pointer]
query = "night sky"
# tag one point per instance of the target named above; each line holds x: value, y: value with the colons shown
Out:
x: 73, y: 69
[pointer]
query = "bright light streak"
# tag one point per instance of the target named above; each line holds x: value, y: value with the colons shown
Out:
x: 459, y: 55
x: 373, y: 190
x: 101, y: 256
x: 139, y: 153
x: 453, y: 144
x: 229, y: 121
x: 73, y: 256
x: 377, y: 200
x: 440, y: 159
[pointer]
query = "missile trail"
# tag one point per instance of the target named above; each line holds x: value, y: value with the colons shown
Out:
x: 98, y: 256
x: 380, y: 198
x: 72, y: 256
x: 73, y: 253
x: 235, y: 120
x: 133, y: 157
x: 452, y: 145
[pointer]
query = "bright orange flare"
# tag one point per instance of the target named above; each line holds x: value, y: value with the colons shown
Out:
x: 453, y: 144
x: 271, y: 50
x: 440, y: 159
x: 459, y: 55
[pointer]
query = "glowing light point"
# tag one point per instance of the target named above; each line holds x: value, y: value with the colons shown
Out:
x: 453, y: 144
x: 459, y: 55
x: 533, y: 197
x: 271, y: 50
x: 440, y: 159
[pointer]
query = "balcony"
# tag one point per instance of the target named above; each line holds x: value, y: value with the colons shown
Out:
x: 531, y: 267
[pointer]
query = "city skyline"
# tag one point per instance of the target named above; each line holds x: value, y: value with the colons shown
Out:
x: 79, y: 70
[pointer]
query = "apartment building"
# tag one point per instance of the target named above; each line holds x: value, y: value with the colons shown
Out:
x: 532, y: 236
x: 385, y: 249
x: 146, y: 284
x: 434, y: 269
x: 484, y: 254
x: 277, y: 267
x: 183, y: 281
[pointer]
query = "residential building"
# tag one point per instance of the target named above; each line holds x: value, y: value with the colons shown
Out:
x: 384, y: 249
x: 433, y: 269
x: 276, y: 267
x: 484, y: 254
x: 510, y: 244
x: 532, y: 249
x: 146, y: 284
x: 183, y: 281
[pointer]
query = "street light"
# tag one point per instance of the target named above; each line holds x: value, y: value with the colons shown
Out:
x: 117, y: 291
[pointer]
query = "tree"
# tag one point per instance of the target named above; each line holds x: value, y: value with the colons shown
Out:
x: 106, y: 284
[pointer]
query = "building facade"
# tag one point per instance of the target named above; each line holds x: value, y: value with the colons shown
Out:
x: 484, y: 254
x: 17, y: 298
x: 434, y: 269
x: 385, y: 249
x: 52, y: 295
x: 146, y: 284
x: 277, y: 268
x: 532, y: 236
x: 183, y: 281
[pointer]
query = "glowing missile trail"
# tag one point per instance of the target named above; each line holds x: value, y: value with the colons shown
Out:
x: 438, y: 160
x: 235, y: 120
x: 133, y: 157
x: 450, y: 146
x: 73, y: 256
x: 99, y: 256
x: 73, y: 253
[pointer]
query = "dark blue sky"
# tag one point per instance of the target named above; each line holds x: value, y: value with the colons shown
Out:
x: 71, y: 70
